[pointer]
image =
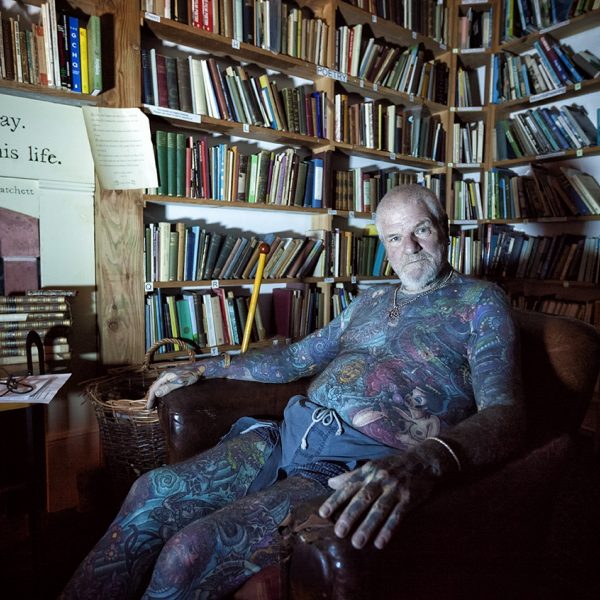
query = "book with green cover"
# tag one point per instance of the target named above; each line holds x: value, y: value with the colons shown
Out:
x: 161, y: 159
x: 171, y: 163
x: 94, y: 55
x: 184, y: 320
x: 180, y: 177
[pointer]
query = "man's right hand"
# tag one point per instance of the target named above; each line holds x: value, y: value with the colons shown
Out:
x: 172, y: 379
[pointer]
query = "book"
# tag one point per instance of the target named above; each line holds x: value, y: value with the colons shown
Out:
x: 74, y: 54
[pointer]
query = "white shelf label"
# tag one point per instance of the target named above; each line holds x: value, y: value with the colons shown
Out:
x: 214, y: 351
x: 472, y: 50
x: 351, y: 214
x: 353, y: 279
x: 362, y: 83
x: 375, y: 87
x: 214, y: 284
x: 161, y: 111
x: 235, y: 44
x: 374, y: 18
x: 579, y: 152
x: 414, y: 35
x: 469, y: 108
x: 392, y: 156
x: 550, y: 155
x: 450, y: 165
x: 549, y: 94
x: 148, y: 286
x: 465, y: 2
x: 329, y: 280
x: 246, y: 128
x: 443, y: 47
x: 577, y: 86
x: 152, y: 17
x: 453, y: 109
x: 331, y: 211
x: 411, y: 97
x: 325, y: 72
x: 555, y: 26
x: 565, y: 284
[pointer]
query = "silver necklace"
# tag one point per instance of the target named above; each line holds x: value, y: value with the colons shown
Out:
x: 395, y: 311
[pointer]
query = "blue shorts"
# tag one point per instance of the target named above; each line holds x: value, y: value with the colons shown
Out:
x: 311, y: 441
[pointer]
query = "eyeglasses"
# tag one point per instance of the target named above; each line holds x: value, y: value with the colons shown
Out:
x: 14, y: 385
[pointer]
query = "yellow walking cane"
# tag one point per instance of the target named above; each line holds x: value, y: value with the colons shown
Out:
x: 263, y: 250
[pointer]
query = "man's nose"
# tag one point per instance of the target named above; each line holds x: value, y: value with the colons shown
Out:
x: 411, y: 245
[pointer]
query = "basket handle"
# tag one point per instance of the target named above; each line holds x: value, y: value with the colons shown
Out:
x: 150, y: 353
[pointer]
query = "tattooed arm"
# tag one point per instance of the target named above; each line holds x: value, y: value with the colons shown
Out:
x: 374, y: 498
x: 278, y: 364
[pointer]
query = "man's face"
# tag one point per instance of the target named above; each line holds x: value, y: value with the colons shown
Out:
x: 415, y: 244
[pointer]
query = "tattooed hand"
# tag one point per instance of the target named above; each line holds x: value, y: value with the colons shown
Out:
x: 172, y: 379
x: 376, y: 496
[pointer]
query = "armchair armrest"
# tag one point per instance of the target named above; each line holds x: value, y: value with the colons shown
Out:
x: 468, y: 540
x: 195, y: 418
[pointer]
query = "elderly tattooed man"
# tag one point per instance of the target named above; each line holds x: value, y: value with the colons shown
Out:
x: 411, y: 383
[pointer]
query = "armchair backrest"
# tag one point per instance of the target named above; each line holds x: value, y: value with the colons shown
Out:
x: 560, y: 364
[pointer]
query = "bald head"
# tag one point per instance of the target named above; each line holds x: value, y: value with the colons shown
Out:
x: 412, y: 194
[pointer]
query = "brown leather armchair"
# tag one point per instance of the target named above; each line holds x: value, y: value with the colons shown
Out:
x: 480, y: 537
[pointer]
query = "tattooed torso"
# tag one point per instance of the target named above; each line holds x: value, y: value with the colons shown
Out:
x: 399, y: 381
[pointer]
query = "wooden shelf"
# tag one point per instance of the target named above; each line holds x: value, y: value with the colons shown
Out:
x: 561, y: 219
x: 233, y: 204
x: 584, y: 22
x: 392, y: 157
x: 206, y: 41
x: 552, y: 157
x: 205, y: 123
x: 564, y: 93
x: 473, y: 57
x: 389, y: 30
x: 48, y: 94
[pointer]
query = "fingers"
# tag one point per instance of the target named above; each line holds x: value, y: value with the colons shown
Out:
x: 346, y: 485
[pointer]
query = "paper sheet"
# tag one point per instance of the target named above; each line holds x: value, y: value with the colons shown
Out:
x: 121, y: 146
x: 45, y: 387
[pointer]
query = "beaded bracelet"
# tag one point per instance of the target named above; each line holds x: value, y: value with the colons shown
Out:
x: 452, y: 453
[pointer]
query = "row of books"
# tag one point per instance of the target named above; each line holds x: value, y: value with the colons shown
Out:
x: 382, y: 126
x: 427, y: 17
x: 545, y: 130
x: 53, y: 48
x: 551, y: 67
x: 587, y: 311
x: 228, y: 92
x: 543, y: 192
x: 465, y: 251
x: 513, y: 254
x: 467, y: 87
x: 180, y: 252
x: 468, y: 141
x: 189, y: 167
x: 47, y: 312
x: 410, y: 70
x: 521, y: 17
x: 475, y: 28
x: 270, y: 24
x: 466, y: 204
x: 361, y: 188
x: 203, y: 318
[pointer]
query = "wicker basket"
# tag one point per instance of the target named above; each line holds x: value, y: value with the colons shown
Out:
x: 131, y: 438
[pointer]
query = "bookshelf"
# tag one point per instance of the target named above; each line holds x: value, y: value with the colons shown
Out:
x: 454, y: 37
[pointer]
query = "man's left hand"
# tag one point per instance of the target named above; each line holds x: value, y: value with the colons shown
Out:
x: 377, y: 495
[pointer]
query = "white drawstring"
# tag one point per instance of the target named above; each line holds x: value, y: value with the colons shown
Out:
x: 326, y: 416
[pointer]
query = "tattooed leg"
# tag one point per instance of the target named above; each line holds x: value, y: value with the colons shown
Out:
x: 213, y: 556
x: 159, y: 504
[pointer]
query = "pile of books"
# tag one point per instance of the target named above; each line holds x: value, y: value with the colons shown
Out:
x: 203, y: 86
x: 551, y: 67
x: 544, y: 192
x: 410, y: 70
x: 52, y: 48
x: 468, y: 141
x: 269, y: 24
x: 47, y: 312
x: 380, y: 125
x: 189, y: 167
x: 544, y: 130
